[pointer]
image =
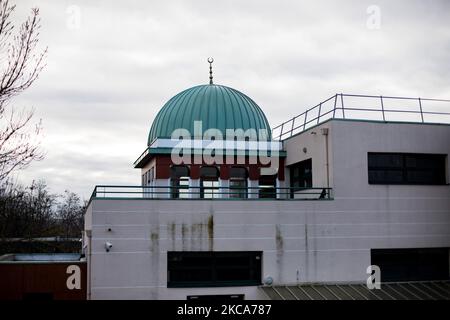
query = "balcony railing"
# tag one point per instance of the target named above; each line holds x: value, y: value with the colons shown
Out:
x: 363, y: 107
x: 210, y: 193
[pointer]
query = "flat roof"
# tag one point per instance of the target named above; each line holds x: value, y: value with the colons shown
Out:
x: 40, y: 257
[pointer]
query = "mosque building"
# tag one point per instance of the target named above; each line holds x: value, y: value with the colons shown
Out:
x: 354, y: 188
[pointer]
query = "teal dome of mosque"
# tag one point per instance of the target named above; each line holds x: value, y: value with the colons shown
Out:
x: 217, y: 106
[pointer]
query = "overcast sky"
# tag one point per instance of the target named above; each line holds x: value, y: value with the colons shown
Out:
x: 113, y: 64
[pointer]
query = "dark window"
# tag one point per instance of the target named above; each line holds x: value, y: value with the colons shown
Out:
x: 179, y: 177
x: 412, y: 264
x: 209, y: 182
x: 213, y: 269
x: 406, y: 168
x: 301, y: 175
x: 238, y: 172
x: 267, y: 186
x: 148, y: 176
x: 238, y: 182
x: 151, y: 174
x: 209, y: 173
x: 179, y: 171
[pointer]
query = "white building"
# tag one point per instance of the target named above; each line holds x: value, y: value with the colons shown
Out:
x: 345, y: 189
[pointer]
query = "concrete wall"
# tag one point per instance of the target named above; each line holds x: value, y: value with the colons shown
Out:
x: 312, y: 144
x: 348, y: 146
x: 352, y: 140
x: 302, y: 241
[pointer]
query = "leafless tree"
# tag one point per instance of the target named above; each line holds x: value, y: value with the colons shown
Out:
x: 27, y: 212
x: 20, y: 66
x: 33, y: 211
x: 70, y: 212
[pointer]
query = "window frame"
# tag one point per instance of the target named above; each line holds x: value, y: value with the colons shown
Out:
x: 412, y: 264
x: 404, y: 169
x: 241, y: 190
x: 254, y: 265
x: 179, y: 182
x: 213, y: 190
x: 267, y: 186
x: 306, y: 179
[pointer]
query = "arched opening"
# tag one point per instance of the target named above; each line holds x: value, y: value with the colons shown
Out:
x: 209, y: 182
x: 238, y: 182
x: 179, y: 181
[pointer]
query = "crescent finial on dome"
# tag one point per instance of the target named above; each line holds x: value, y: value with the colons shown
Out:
x: 210, y: 61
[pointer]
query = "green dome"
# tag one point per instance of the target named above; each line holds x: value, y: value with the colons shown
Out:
x: 216, y: 106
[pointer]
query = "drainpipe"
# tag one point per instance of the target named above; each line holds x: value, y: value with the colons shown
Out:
x: 325, y: 133
x: 89, y: 264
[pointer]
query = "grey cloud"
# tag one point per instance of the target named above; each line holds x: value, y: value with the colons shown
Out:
x: 106, y: 81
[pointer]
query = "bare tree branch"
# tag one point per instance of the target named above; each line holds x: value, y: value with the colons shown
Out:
x: 21, y: 67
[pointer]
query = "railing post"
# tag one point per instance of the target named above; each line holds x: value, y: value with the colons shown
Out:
x: 382, y: 107
x: 304, y: 124
x: 320, y: 109
x: 292, y: 127
x: 342, y: 105
x: 334, y: 109
x: 420, y: 106
x: 281, y: 131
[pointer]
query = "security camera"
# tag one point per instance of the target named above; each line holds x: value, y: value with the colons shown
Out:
x: 268, y: 281
x: 108, y: 246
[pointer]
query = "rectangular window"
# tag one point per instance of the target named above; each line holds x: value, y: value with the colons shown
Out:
x: 301, y: 175
x: 238, y: 182
x: 406, y: 168
x: 151, y: 175
x: 213, y: 269
x: 179, y: 177
x: 180, y: 188
x: 209, y: 189
x: 238, y: 188
x: 267, y: 186
x: 412, y: 264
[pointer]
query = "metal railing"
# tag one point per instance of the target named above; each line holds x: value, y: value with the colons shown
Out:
x: 365, y: 107
x: 142, y: 156
x: 210, y: 193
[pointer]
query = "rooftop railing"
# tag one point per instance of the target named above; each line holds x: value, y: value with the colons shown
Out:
x: 364, y: 107
x: 210, y: 193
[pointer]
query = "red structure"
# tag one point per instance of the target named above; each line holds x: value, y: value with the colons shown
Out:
x: 42, y: 277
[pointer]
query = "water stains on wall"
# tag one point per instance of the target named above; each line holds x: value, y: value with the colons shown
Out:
x: 154, y: 241
x: 171, y: 228
x: 211, y: 232
x: 279, y: 244
x: 198, y: 235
